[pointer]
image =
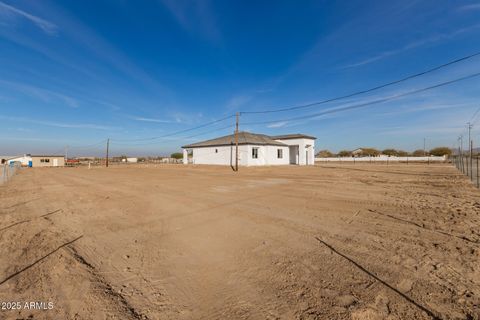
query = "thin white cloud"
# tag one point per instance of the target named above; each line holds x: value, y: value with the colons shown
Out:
x: 152, y: 120
x: 41, y: 93
x: 195, y: 17
x: 424, y: 130
x: 188, y: 118
x: 277, y: 124
x: 431, y: 106
x: 58, y: 124
x: 86, y: 38
x: 238, y: 100
x: 469, y: 7
x: 48, y: 27
x: 413, y: 45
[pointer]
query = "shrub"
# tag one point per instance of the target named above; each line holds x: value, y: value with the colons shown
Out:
x: 419, y: 153
x: 345, y: 153
x: 177, y: 155
x: 369, y: 152
x: 324, y: 154
x: 441, y: 151
x: 390, y: 152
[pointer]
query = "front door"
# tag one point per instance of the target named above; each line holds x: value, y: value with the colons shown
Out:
x: 55, y: 162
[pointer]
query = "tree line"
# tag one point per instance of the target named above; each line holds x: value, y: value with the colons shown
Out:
x: 372, y: 152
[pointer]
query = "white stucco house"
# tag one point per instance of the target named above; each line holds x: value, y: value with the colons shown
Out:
x: 254, y: 150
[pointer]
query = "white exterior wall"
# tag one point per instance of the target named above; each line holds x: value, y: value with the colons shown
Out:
x: 225, y: 155
x: 221, y: 155
x: 267, y: 155
x: 302, y: 154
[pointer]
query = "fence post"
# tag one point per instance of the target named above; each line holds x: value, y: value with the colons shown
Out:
x: 478, y: 183
x: 466, y: 165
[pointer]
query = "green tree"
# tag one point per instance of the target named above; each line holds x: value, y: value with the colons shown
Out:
x: 401, y: 153
x: 441, y: 151
x: 390, y: 152
x: 419, y: 153
x: 324, y: 154
x: 176, y: 155
x: 370, y: 152
x: 345, y: 153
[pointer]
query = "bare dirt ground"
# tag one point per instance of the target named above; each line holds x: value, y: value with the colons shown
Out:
x: 181, y: 242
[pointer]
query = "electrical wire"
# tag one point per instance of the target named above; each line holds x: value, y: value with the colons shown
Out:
x: 87, y: 146
x: 176, y: 139
x: 366, y: 90
x: 176, y: 132
x: 362, y: 105
x: 473, y: 119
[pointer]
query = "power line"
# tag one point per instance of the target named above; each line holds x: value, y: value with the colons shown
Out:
x: 366, y: 104
x: 367, y: 90
x: 205, y: 132
x: 88, y: 145
x: 176, y: 139
x: 474, y: 116
x: 177, y: 132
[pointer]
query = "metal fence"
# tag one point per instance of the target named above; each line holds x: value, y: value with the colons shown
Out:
x: 7, y: 171
x: 384, y: 159
x: 468, y: 165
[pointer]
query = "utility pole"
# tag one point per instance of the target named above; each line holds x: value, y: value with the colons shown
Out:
x: 108, y: 144
x: 424, y: 151
x: 237, y: 116
x: 66, y: 152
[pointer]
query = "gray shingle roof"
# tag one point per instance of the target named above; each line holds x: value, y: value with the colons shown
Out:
x: 47, y: 155
x: 243, y: 138
x: 292, y: 136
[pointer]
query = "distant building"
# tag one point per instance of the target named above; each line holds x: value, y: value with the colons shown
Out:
x: 254, y: 150
x: 48, y: 161
x: 25, y: 160
x: 357, y: 152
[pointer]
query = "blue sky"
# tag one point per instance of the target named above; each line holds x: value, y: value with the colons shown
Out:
x: 73, y: 73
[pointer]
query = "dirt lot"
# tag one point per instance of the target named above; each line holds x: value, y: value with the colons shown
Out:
x: 181, y: 242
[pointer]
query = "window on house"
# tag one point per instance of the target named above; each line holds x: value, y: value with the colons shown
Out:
x: 47, y: 160
x: 42, y: 160
x: 279, y: 153
x: 216, y: 150
x: 254, y: 153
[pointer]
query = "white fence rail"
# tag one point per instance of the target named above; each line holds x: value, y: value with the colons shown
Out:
x: 383, y: 159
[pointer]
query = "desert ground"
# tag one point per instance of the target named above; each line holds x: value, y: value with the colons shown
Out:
x: 331, y: 241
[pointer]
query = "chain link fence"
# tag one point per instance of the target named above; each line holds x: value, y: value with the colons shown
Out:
x: 468, y: 165
x: 7, y: 171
